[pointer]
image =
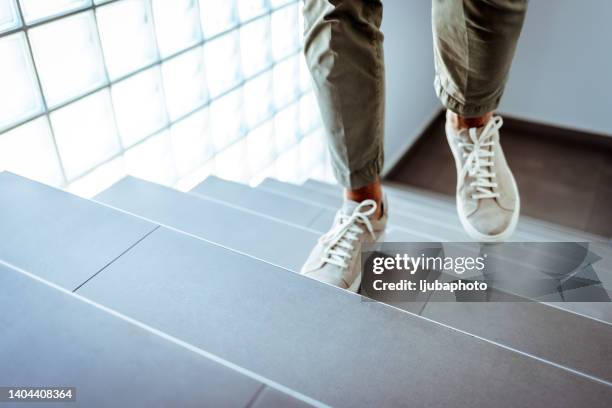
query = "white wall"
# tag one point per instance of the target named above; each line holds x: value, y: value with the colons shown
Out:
x: 561, y: 75
x: 411, y: 101
x: 562, y: 72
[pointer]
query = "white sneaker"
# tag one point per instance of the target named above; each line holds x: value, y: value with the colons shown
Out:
x: 335, y: 258
x: 488, y: 200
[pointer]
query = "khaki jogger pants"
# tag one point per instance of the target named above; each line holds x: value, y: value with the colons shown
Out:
x: 474, y: 42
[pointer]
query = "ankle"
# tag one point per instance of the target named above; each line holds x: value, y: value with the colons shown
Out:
x: 372, y: 191
x: 461, y: 122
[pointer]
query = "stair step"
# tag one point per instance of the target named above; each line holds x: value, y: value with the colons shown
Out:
x: 55, y: 337
x: 528, y: 327
x: 302, y: 213
x: 435, y: 225
x: 280, y: 207
x: 239, y: 230
x: 319, y: 340
x: 60, y: 237
x: 271, y: 322
x: 400, y: 227
x: 409, y: 218
x: 528, y: 230
x: 432, y: 225
x: 431, y: 201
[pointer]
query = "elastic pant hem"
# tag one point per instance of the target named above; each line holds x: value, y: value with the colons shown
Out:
x: 463, y: 109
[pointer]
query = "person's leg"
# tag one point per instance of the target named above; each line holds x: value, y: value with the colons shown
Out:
x: 344, y: 52
x: 474, y: 43
x: 343, y: 46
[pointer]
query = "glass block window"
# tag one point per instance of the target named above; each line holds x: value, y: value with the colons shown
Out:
x: 169, y: 91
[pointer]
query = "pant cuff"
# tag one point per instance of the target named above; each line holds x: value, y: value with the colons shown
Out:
x: 361, y: 177
x: 460, y: 108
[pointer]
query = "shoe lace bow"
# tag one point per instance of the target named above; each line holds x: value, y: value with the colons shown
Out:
x: 339, y: 241
x: 478, y: 164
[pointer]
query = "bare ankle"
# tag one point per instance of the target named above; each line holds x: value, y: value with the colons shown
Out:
x: 462, y: 122
x: 372, y: 191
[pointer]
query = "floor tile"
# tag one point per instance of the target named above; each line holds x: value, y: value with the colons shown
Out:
x: 270, y: 398
x: 319, y: 340
x: 262, y: 202
x: 56, y: 339
x: 230, y: 227
x: 58, y: 236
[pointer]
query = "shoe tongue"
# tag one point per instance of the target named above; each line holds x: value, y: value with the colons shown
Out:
x: 348, y: 207
x: 465, y: 133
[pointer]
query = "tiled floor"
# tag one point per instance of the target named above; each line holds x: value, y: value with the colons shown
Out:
x: 560, y: 181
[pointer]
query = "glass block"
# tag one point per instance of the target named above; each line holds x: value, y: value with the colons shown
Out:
x: 139, y: 106
x: 68, y: 57
x: 288, y: 166
x: 85, y: 133
x: 9, y: 16
x: 222, y: 56
x: 152, y: 160
x: 36, y: 10
x: 217, y: 16
x: 260, y: 146
x: 177, y: 24
x: 28, y: 150
x: 99, y: 179
x: 128, y: 39
x: 191, y: 142
x: 286, y: 128
x: 301, y: 23
x: 184, y: 83
x: 309, y: 113
x: 312, y: 152
x: 305, y: 77
x: 249, y: 9
x: 232, y: 164
x: 20, y: 97
x: 285, y: 28
x: 258, y: 99
x: 279, y: 3
x: 285, y: 80
x: 255, y: 49
x: 188, y: 182
x: 226, y: 119
x: 257, y: 178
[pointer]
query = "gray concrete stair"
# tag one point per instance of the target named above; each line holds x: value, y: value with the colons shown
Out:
x: 187, y: 277
x: 443, y: 207
x: 530, y: 327
x: 57, y: 339
x: 58, y: 236
x: 243, y: 231
x: 322, y: 341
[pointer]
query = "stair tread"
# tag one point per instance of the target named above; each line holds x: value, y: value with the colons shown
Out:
x: 420, y: 229
x: 434, y: 201
x: 284, y: 208
x: 443, y: 224
x: 89, y: 348
x: 73, y: 238
x: 225, y: 299
x: 236, y: 229
x: 218, y: 299
x: 508, y: 323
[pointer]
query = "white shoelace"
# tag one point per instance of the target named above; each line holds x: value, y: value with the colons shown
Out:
x: 339, y: 240
x: 478, y: 156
